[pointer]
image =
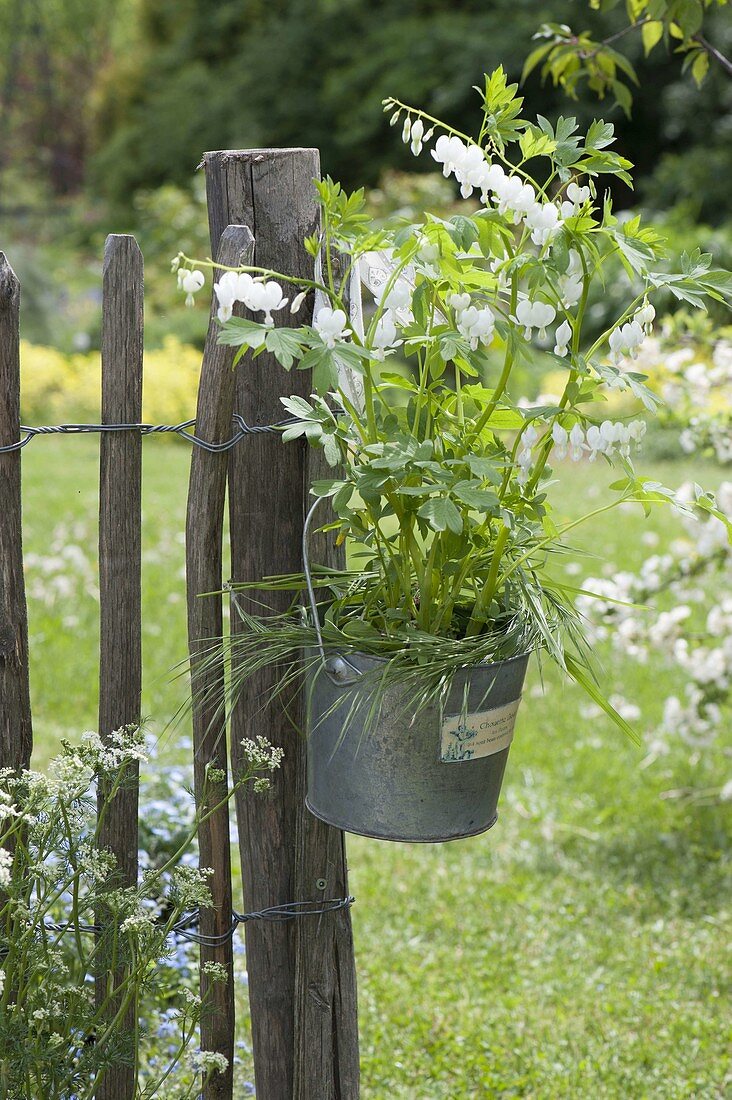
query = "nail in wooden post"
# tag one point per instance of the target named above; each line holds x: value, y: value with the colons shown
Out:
x: 120, y: 669
x: 16, y: 737
x: 204, y: 536
x: 301, y: 973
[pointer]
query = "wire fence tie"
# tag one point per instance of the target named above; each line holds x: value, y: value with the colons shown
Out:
x: 242, y: 429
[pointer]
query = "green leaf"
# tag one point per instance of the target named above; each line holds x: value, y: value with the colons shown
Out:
x: 535, y: 143
x: 285, y: 344
x: 241, y: 332
x: 390, y: 379
x: 651, y: 33
x: 535, y: 57
x: 441, y: 514
x: 485, y: 468
x: 623, y: 96
x: 298, y: 406
x: 483, y: 500
x: 586, y: 682
x: 689, y: 15
x: 326, y: 488
x: 600, y: 135
x: 463, y: 231
x: 700, y: 66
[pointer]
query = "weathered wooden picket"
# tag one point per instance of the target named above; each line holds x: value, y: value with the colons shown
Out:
x: 301, y: 973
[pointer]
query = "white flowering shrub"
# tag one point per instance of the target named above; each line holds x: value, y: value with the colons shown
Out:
x: 55, y: 1040
x: 693, y: 637
x: 690, y: 367
x: 442, y: 475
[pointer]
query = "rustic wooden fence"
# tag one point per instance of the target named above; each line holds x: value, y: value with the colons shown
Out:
x: 302, y: 983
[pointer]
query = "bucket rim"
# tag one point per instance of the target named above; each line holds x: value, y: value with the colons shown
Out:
x: 353, y: 652
x: 435, y: 838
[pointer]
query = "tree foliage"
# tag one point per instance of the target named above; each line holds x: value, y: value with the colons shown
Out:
x: 127, y: 96
x: 572, y: 59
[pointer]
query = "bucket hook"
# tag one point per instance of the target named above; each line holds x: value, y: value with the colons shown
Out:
x: 336, y: 667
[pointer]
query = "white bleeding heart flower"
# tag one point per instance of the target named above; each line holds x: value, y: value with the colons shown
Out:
x: 385, y: 335
x: 397, y: 297
x: 576, y: 443
x: 508, y: 191
x: 416, y: 136
x: 407, y: 130
x: 265, y: 297
x: 476, y: 325
x: 449, y: 152
x: 571, y: 282
x: 190, y: 282
x: 297, y: 301
x: 625, y: 340
x: 645, y: 317
x: 534, y: 315
x: 612, y: 436
x: 459, y: 302
x: 576, y: 198
x: 543, y: 221
x: 560, y: 438
x: 331, y: 325
x: 562, y: 337
x: 529, y: 436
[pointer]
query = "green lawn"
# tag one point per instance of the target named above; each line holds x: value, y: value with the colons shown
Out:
x: 577, y: 950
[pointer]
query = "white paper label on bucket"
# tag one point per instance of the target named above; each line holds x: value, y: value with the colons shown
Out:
x: 472, y: 736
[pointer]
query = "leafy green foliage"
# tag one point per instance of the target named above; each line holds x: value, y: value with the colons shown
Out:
x: 572, y: 59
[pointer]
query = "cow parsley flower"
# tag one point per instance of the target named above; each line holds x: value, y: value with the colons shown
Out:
x: 262, y: 754
x: 6, y: 866
x: 208, y: 1061
x: 331, y: 325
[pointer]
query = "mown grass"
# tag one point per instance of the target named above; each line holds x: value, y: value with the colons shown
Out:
x: 576, y: 950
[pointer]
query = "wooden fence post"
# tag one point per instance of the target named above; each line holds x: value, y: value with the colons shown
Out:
x: 204, y: 539
x: 302, y: 984
x: 16, y: 736
x: 120, y: 667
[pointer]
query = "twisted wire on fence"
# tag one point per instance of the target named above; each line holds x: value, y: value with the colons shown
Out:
x: 242, y: 429
x: 184, y: 929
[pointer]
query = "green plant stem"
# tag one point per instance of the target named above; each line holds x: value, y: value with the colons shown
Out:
x: 502, y: 381
x: 478, y: 617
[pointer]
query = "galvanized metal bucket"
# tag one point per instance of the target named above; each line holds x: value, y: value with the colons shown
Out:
x: 395, y: 774
x: 430, y: 776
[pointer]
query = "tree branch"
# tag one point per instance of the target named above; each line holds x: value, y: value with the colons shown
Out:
x: 718, y: 56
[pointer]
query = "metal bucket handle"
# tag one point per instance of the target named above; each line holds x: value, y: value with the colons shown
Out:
x: 337, y: 667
